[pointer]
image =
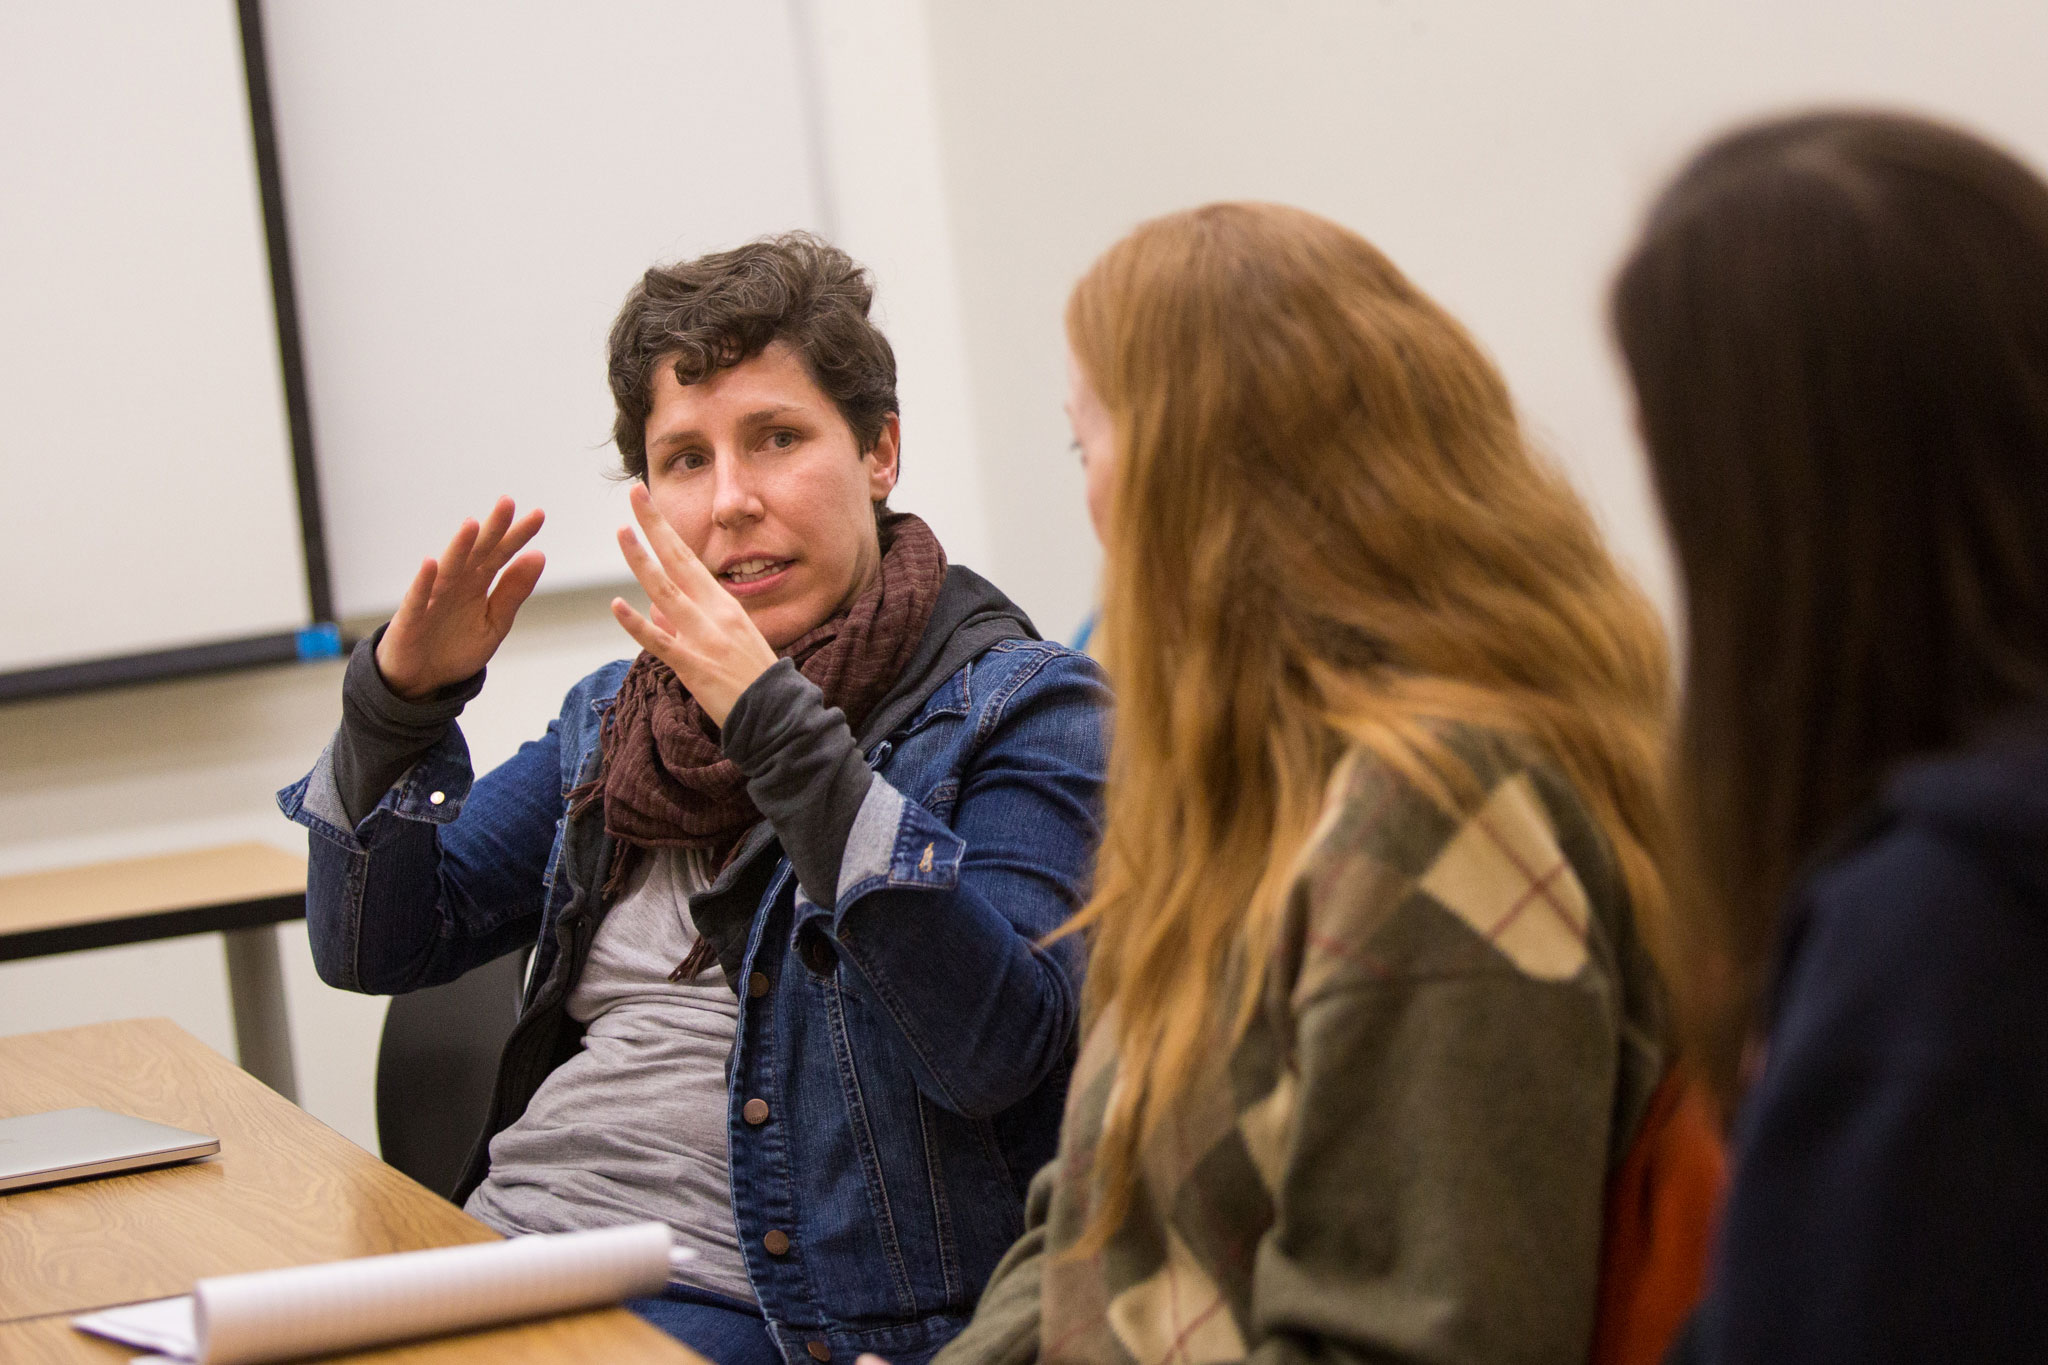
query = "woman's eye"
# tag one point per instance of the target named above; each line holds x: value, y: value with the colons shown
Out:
x: 782, y: 440
x: 690, y: 460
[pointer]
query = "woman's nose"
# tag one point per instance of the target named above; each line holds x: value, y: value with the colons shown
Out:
x: 734, y: 498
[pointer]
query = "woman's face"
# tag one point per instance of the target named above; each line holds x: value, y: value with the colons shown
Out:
x: 759, y: 473
x: 1095, y: 438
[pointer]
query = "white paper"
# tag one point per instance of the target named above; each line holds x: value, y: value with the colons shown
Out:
x: 274, y: 1315
x: 159, y: 1325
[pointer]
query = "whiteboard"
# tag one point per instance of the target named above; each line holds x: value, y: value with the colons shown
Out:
x: 146, y: 486
x: 470, y: 193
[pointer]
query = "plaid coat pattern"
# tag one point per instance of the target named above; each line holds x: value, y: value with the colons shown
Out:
x: 1405, y: 1157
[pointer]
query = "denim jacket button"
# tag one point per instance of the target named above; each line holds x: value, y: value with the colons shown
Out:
x: 818, y: 1350
x: 757, y: 985
x: 755, y: 1111
x: 777, y: 1242
x: 816, y: 952
x: 438, y: 797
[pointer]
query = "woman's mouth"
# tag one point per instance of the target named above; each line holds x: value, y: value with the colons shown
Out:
x: 748, y: 573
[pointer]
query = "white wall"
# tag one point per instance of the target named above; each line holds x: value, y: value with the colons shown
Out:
x: 1499, y: 150
x: 887, y: 204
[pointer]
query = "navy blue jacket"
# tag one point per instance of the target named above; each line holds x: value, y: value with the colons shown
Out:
x: 1890, y: 1196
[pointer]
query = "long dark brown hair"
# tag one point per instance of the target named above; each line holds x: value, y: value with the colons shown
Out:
x: 1837, y: 327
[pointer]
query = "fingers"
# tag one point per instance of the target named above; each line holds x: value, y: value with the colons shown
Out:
x: 515, y: 585
x: 659, y: 643
x: 399, y: 652
x: 455, y: 558
x: 490, y: 543
x: 663, y: 593
x: 515, y: 537
x: 672, y: 650
x: 418, y: 592
x: 493, y: 528
x: 681, y: 562
x: 716, y: 653
x: 479, y: 549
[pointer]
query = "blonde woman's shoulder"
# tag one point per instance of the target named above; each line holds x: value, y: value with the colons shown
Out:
x: 1497, y: 870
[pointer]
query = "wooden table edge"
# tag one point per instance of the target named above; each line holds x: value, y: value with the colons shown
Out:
x: 114, y: 933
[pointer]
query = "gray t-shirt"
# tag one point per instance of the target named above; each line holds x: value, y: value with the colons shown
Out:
x: 634, y: 1125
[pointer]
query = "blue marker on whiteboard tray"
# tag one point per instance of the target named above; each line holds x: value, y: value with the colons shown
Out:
x: 322, y: 641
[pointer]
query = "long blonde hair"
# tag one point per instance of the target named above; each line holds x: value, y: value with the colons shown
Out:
x: 1326, y: 530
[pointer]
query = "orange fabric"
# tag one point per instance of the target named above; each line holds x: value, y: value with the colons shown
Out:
x: 1661, y: 1204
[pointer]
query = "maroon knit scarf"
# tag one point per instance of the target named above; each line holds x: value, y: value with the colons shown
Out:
x: 665, y: 781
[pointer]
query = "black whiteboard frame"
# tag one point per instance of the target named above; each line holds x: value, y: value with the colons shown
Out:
x: 321, y: 639
x: 312, y: 526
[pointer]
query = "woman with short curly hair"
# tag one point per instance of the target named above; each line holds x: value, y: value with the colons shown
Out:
x: 785, y: 874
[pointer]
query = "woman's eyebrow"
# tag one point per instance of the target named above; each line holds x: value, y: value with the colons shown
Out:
x: 676, y: 437
x: 758, y: 417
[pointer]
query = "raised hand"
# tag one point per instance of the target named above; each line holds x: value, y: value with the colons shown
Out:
x: 697, y: 628
x: 451, y: 620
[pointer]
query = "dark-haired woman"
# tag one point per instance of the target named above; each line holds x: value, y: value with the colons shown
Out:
x: 785, y: 874
x: 1837, y: 327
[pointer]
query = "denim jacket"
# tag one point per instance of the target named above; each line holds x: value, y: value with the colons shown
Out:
x: 912, y: 1039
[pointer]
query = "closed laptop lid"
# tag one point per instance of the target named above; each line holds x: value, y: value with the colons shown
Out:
x: 71, y: 1144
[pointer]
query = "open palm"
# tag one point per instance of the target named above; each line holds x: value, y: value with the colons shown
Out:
x: 452, y: 620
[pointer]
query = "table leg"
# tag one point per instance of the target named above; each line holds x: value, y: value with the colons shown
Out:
x: 256, y: 988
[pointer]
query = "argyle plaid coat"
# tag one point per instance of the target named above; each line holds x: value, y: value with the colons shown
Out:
x: 1404, y: 1159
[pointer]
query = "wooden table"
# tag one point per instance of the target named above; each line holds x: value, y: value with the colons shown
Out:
x: 239, y: 892
x: 596, y: 1338
x: 285, y: 1190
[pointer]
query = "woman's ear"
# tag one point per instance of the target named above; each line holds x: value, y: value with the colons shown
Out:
x: 882, y: 460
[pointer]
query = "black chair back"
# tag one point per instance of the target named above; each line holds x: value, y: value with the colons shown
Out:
x: 435, y: 1068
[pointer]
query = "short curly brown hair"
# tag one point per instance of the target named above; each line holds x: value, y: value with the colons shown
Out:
x: 714, y: 312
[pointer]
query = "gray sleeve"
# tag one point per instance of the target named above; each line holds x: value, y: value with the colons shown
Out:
x: 381, y: 733
x: 803, y: 770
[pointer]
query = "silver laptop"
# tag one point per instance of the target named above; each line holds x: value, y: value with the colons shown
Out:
x: 73, y: 1144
